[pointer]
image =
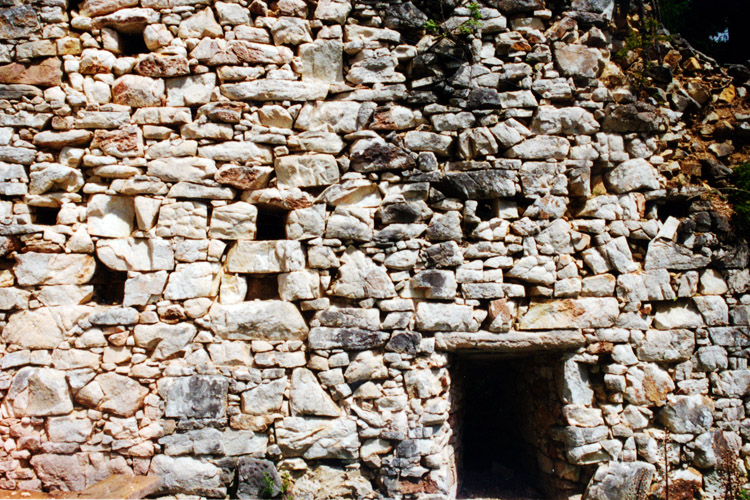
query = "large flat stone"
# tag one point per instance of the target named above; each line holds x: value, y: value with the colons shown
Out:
x: 512, y: 342
x: 265, y: 257
x: 275, y: 90
x: 53, y: 269
x: 260, y: 319
x: 199, y: 396
x: 588, y: 312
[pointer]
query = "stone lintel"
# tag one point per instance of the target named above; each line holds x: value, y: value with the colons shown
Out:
x: 511, y: 342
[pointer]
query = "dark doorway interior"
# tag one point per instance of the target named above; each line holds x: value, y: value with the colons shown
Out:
x: 505, y: 409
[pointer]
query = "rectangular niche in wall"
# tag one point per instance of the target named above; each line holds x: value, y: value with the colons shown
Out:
x: 504, y: 412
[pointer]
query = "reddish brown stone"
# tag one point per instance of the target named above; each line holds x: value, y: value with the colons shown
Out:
x: 162, y: 66
x: 46, y: 74
x: 245, y: 178
x: 122, y: 143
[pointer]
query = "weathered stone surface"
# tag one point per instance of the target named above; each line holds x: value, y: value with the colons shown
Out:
x: 110, y: 216
x: 199, y: 396
x: 138, y: 91
x: 254, y: 476
x: 671, y: 255
x: 45, y: 74
x: 445, y: 317
x: 687, y: 414
x: 136, y: 254
x: 317, y: 438
x: 37, y: 392
x: 262, y: 320
x: 187, y: 474
x: 570, y: 313
x: 346, y: 338
x: 113, y: 393
x: 307, y: 397
x: 615, y: 480
x: 53, y: 269
x: 265, y: 399
x: 666, y: 345
x: 578, y: 60
x: 164, y: 340
x: 481, y: 184
x: 59, y: 140
x: 360, y: 278
x: 306, y: 171
x: 265, y: 257
x: 633, y: 175
x: 510, y: 342
x: 271, y: 91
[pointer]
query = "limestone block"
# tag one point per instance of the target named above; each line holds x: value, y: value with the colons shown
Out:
x: 633, y: 175
x: 113, y: 393
x: 541, y: 147
x: 190, y: 90
x: 291, y: 31
x: 318, y: 438
x: 198, y: 396
x: 587, y: 312
x: 565, y: 121
x: 138, y: 91
x: 230, y: 354
x: 299, y: 285
x: 333, y: 10
x: 671, y: 255
x: 359, y: 278
x: 260, y: 319
x: 232, y: 13
x: 265, y: 257
x: 271, y: 90
x: 350, y: 224
x: 681, y: 314
x: 68, y: 429
x: 666, y: 345
x: 578, y: 60
x: 306, y: 223
x: 434, y: 317
x: 164, y: 340
x: 110, y: 216
x: 233, y: 222
x: 132, y: 254
x: 38, y: 392
x: 731, y: 383
x: 307, y: 397
x: 239, y: 152
x: 54, y: 177
x: 183, y: 218
x: 648, y: 384
x: 346, y: 338
x: 365, y: 366
x: 428, y: 141
x: 336, y: 116
x: 193, y: 280
x: 436, y: 284
x: 306, y: 170
x: 265, y: 399
x: 188, y: 475
x: 199, y: 25
x: 687, y: 414
x: 53, y: 269
x: 713, y: 309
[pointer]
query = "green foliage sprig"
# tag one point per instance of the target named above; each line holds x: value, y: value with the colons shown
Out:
x: 467, y: 27
x: 739, y: 196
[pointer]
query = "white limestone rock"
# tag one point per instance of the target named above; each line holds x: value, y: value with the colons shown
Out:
x: 193, y: 280
x: 257, y: 320
x: 633, y: 175
x: 435, y: 317
x: 39, y: 392
x: 33, y: 268
x: 132, y: 254
x: 187, y: 475
x: 164, y: 340
x: 586, y: 312
x: 199, y: 25
x: 110, y: 216
x: 113, y: 393
x: 687, y: 414
x: 265, y: 257
x: 682, y: 314
x: 299, y: 285
x: 666, y: 346
x: 183, y: 218
x: 265, y: 399
x: 307, y: 397
x: 318, y: 438
x: 360, y: 278
x: 233, y: 222
x: 306, y: 170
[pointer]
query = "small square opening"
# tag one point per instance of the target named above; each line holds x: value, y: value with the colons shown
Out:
x: 505, y: 411
x: 46, y: 216
x: 132, y: 44
x: 270, y: 225
x: 109, y: 285
x: 264, y: 287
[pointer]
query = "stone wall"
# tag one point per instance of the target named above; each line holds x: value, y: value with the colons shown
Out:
x: 247, y: 237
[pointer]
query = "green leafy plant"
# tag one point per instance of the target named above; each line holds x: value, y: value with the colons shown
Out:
x: 286, y: 482
x: 742, y: 494
x: 467, y: 27
x: 642, y: 43
x: 738, y: 194
x: 268, y: 490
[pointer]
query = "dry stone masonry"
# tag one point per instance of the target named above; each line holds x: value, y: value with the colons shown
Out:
x: 275, y: 239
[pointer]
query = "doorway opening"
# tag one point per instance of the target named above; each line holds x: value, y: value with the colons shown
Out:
x: 505, y: 411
